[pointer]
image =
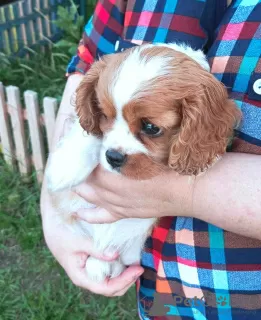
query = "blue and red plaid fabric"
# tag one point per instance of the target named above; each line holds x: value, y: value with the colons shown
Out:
x: 194, y: 270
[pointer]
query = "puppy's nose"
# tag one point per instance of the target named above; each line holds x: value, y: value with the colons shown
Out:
x: 115, y: 158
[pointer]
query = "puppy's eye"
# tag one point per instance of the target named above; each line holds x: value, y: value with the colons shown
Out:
x: 150, y: 129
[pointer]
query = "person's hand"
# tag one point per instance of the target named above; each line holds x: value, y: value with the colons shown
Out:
x: 72, y: 251
x: 118, y: 197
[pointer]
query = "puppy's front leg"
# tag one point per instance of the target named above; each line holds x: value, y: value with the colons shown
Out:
x: 76, y: 156
x: 98, y: 270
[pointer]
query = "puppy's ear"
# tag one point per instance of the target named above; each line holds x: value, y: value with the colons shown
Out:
x: 86, y: 99
x: 208, y: 120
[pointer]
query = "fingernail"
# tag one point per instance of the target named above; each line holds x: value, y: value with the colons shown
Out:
x: 109, y: 253
x: 110, y: 256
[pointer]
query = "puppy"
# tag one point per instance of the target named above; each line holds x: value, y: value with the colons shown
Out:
x: 147, y: 110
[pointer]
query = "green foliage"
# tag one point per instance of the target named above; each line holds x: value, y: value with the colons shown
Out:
x: 90, y: 6
x: 71, y: 23
x: 32, y: 284
x: 43, y: 72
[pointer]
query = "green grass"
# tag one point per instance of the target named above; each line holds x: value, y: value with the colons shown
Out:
x: 32, y: 285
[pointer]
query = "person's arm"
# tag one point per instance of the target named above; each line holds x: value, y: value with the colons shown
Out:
x: 72, y: 250
x: 66, y: 109
x: 228, y: 195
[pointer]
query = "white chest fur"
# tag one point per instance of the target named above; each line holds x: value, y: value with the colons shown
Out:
x: 74, y: 159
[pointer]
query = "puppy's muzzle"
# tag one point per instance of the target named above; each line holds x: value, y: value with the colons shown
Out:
x: 115, y: 158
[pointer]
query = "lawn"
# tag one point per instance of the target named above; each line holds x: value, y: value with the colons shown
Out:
x: 32, y: 285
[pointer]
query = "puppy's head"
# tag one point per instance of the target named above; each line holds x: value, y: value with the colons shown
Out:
x: 156, y: 108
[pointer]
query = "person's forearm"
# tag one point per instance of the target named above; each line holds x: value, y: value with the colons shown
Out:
x: 66, y: 110
x: 229, y: 195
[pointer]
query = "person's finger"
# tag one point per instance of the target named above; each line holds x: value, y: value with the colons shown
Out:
x: 81, y: 244
x: 97, y: 215
x: 109, y: 287
x: 97, y: 196
x: 107, y: 180
x: 123, y: 291
x: 81, y: 259
x: 127, y: 278
x: 87, y: 193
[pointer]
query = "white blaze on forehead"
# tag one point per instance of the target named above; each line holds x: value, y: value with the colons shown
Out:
x: 132, y: 74
x: 196, y: 55
x: 121, y: 138
x: 136, y: 70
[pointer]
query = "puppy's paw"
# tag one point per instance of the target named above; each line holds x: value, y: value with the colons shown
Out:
x: 99, y: 270
x: 116, y: 269
x: 55, y: 178
x: 62, y: 173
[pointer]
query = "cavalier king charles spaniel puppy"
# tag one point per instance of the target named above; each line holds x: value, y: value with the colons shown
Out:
x: 141, y: 112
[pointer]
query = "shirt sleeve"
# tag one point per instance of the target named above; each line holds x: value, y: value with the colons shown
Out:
x: 100, y: 35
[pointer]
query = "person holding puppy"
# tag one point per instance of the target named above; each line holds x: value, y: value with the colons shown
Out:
x: 208, y: 242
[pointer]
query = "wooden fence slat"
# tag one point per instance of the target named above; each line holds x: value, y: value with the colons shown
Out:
x: 15, y: 110
x: 39, y: 23
x: 5, y: 39
x: 36, y: 31
x: 5, y: 130
x: 50, y: 107
x: 13, y: 31
x: 22, y: 25
x: 30, y: 22
x: 26, y: 24
x: 47, y: 19
x: 17, y: 27
x: 33, y: 117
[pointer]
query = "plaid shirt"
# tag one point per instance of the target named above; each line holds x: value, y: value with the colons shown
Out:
x: 194, y: 270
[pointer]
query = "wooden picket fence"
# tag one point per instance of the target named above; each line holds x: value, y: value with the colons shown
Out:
x: 24, y: 24
x: 13, y: 133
